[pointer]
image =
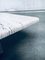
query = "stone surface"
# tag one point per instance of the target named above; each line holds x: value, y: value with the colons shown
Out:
x: 10, y: 23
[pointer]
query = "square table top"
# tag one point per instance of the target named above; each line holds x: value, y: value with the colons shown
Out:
x: 12, y: 23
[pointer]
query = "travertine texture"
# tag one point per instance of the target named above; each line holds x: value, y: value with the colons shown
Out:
x: 10, y: 23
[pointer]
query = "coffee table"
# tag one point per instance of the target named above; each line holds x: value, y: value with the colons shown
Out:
x: 12, y: 23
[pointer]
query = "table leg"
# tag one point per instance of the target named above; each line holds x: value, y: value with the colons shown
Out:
x: 1, y: 50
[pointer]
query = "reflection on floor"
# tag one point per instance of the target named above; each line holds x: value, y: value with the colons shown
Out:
x: 28, y: 44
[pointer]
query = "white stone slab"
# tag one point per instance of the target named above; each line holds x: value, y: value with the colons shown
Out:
x: 12, y: 23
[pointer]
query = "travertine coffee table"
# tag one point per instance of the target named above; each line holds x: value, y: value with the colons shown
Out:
x: 12, y: 23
